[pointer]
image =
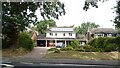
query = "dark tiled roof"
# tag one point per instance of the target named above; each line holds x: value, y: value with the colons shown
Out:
x: 41, y: 36
x: 103, y: 30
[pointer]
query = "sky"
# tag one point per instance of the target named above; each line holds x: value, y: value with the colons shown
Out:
x: 75, y: 15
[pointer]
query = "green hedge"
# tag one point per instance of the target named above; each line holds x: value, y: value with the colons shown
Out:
x: 74, y: 43
x: 52, y: 49
x: 106, y: 44
x: 67, y: 49
x: 25, y: 41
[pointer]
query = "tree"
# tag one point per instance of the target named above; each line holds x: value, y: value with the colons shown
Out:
x: 92, y: 3
x: 74, y: 43
x: 16, y: 16
x: 42, y: 25
x: 84, y: 27
x: 117, y: 18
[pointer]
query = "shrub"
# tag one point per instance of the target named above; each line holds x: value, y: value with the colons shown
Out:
x: 67, y: 49
x: 25, y: 41
x: 52, y: 49
x: 117, y: 39
x: 111, y: 47
x: 74, y: 43
x: 57, y: 51
x: 81, y: 49
x: 104, y: 44
x: 5, y: 43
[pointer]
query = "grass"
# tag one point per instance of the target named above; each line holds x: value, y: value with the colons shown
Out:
x: 85, y: 55
x: 14, y: 53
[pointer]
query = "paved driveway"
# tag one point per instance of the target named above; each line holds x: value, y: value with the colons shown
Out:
x: 36, y: 54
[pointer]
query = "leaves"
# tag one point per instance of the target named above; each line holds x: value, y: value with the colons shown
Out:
x: 42, y: 25
x: 117, y: 18
x: 16, y: 16
x: 84, y: 27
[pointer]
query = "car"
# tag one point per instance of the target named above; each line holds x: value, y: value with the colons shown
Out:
x: 60, y: 45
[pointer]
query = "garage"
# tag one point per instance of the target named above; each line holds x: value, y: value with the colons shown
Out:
x: 41, y: 43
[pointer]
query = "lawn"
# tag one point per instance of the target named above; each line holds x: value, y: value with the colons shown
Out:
x: 13, y: 53
x: 84, y: 55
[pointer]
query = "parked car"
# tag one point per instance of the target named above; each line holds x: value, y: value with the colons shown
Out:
x: 60, y: 45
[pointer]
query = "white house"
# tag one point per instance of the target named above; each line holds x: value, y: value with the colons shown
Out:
x: 56, y: 35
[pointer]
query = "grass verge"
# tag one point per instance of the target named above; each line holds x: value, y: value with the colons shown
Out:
x: 84, y: 55
x: 14, y: 53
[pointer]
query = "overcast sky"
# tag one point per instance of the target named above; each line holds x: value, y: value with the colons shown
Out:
x: 75, y: 15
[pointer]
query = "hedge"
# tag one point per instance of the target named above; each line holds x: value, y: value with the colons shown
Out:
x: 105, y: 43
x: 25, y: 41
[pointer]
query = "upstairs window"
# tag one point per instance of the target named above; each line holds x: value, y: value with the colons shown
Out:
x: 70, y: 34
x: 51, y: 34
x: 63, y: 34
x: 55, y: 34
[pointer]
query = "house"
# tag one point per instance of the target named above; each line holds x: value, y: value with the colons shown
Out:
x: 57, y: 35
x: 101, y: 32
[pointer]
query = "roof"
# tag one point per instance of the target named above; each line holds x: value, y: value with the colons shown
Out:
x: 41, y: 36
x: 103, y: 30
x: 61, y: 29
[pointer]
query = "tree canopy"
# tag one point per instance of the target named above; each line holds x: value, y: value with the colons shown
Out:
x: 16, y: 16
x: 84, y: 27
x: 42, y: 25
x: 117, y: 18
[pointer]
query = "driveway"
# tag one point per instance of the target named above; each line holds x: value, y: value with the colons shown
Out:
x: 37, y: 54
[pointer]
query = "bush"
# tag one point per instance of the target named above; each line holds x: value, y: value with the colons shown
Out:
x: 52, y: 49
x: 57, y: 51
x: 67, y: 49
x: 117, y: 39
x: 74, y: 43
x: 81, y: 49
x: 111, y: 47
x: 5, y: 43
x: 104, y: 44
x: 25, y: 41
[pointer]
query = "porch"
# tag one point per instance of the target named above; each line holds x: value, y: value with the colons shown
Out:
x: 54, y: 42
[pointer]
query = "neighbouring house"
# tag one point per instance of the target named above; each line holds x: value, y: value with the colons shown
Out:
x: 57, y: 35
x: 101, y: 32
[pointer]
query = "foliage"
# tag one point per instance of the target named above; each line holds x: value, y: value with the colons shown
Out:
x: 25, y: 41
x: 80, y: 48
x: 15, y: 16
x: 117, y: 18
x: 104, y: 43
x: 84, y: 27
x: 67, y: 49
x: 92, y: 3
x: 118, y: 42
x: 57, y: 51
x: 74, y: 43
x: 52, y: 49
x: 4, y: 43
x: 42, y: 25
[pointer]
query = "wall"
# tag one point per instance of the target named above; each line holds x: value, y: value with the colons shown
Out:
x: 60, y: 35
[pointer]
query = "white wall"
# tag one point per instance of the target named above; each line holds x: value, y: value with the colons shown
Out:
x: 60, y: 35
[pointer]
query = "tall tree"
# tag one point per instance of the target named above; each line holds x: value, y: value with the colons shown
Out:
x: 84, y: 27
x: 18, y: 15
x: 42, y: 25
x: 117, y: 18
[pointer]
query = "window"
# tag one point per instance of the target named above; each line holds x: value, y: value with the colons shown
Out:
x: 63, y: 34
x: 70, y: 34
x: 55, y: 34
x: 51, y: 34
